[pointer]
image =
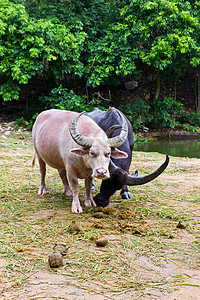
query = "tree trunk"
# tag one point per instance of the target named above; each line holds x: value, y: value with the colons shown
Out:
x: 198, y: 90
x: 175, y: 91
x: 157, y: 84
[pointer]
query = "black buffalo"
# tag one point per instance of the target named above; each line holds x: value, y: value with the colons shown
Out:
x: 119, y: 178
x: 108, y: 120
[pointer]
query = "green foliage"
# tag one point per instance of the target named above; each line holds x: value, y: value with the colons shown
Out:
x: 138, y: 140
x: 30, y: 47
x: 21, y: 122
x: 63, y: 99
x: 188, y: 127
x: 138, y: 113
x: 161, y: 34
x: 98, y: 42
x: 191, y: 118
x: 166, y: 113
x: 190, y: 121
x: 166, y: 34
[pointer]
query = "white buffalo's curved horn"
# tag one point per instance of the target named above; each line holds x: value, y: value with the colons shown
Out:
x: 119, y: 139
x: 111, y: 129
x: 78, y: 137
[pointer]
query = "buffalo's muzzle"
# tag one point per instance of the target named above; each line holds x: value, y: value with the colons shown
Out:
x: 101, y: 173
x: 101, y: 200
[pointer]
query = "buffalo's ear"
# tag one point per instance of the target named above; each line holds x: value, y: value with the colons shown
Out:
x: 80, y: 151
x: 116, y: 153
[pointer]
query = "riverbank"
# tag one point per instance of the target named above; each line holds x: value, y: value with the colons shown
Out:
x: 172, y: 134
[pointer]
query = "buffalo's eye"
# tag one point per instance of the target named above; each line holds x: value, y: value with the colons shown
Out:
x: 108, y: 154
x: 92, y: 153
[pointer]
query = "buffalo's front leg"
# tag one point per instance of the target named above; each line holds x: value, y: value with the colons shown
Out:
x: 63, y: 176
x: 88, y: 201
x: 73, y: 179
x: 42, y: 188
x: 125, y: 194
x: 93, y: 188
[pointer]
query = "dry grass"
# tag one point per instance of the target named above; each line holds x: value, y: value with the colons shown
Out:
x: 147, y: 255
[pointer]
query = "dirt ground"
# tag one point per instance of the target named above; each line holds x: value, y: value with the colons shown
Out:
x: 160, y: 261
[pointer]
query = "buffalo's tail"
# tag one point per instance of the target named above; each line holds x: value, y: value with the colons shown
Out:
x: 33, y: 160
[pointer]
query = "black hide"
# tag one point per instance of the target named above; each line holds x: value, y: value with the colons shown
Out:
x: 109, y: 186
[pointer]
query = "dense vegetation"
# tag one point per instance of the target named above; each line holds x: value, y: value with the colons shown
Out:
x: 61, y: 53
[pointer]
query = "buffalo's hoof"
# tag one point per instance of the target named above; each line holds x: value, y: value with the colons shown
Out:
x: 93, y: 189
x: 126, y: 195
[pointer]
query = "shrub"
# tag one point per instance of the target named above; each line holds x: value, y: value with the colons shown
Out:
x: 191, y: 117
x: 162, y: 113
x: 63, y: 99
x: 166, y: 113
x: 138, y: 113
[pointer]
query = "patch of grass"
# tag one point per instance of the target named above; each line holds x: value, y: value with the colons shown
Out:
x: 143, y: 236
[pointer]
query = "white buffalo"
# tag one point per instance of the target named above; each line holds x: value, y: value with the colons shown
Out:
x: 77, y: 147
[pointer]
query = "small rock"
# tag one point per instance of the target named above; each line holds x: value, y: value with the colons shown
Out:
x: 145, y: 129
x: 181, y: 225
x: 55, y: 260
x: 72, y: 293
x: 101, y: 242
x: 131, y: 85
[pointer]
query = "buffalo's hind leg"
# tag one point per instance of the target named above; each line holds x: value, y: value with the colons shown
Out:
x: 125, y: 194
x: 42, y: 188
x: 63, y: 177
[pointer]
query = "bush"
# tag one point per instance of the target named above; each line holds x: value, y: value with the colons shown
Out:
x: 190, y: 121
x: 138, y: 113
x: 61, y: 98
x: 162, y: 113
x: 166, y: 113
x: 191, y: 118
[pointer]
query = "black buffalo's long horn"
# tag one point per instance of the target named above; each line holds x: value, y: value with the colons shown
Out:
x: 138, y: 180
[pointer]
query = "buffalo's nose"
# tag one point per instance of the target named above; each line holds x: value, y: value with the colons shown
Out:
x: 101, y: 200
x: 101, y: 172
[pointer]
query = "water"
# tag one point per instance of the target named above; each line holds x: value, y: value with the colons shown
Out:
x: 173, y: 147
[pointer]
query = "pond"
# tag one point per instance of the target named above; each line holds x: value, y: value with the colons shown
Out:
x: 173, y: 147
